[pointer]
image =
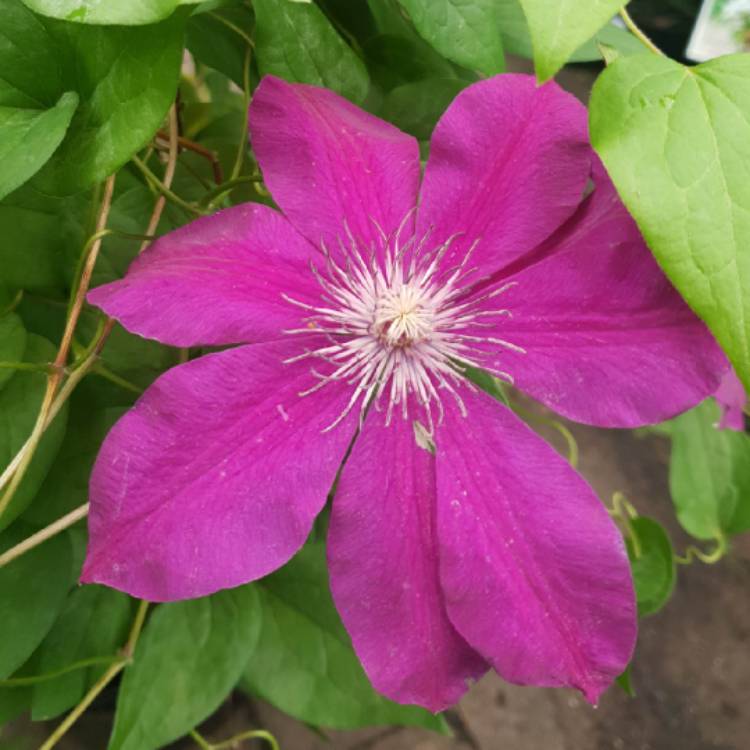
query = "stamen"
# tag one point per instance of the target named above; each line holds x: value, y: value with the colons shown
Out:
x: 398, y: 326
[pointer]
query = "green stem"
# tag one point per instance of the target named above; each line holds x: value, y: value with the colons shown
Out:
x: 240, y: 158
x: 30, y: 366
x: 164, y: 190
x: 707, y: 558
x: 233, y: 27
x: 623, y: 510
x: 233, y: 742
x: 113, y: 377
x: 94, y: 661
x: 15, y: 302
x: 213, y: 195
x: 636, y: 32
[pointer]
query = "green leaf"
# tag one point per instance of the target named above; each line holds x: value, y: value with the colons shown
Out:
x: 125, y: 79
x: 465, y: 31
x: 652, y: 562
x: 676, y: 142
x: 12, y: 344
x: 190, y: 656
x: 32, y: 592
x: 416, y: 107
x: 304, y: 662
x: 625, y: 681
x: 212, y: 40
x: 20, y: 400
x: 558, y: 29
x: 28, y: 137
x: 105, y: 12
x: 93, y: 623
x: 709, y: 474
x: 38, y: 232
x: 295, y: 41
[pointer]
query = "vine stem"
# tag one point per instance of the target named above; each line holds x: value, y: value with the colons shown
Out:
x: 93, y: 661
x: 91, y: 252
x: 232, y: 742
x: 707, y: 558
x: 103, y: 681
x: 44, y: 534
x: 636, y: 32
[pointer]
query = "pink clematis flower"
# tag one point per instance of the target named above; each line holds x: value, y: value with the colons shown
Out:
x: 458, y: 539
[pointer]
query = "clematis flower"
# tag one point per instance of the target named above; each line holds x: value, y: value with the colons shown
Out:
x: 732, y: 399
x: 458, y: 539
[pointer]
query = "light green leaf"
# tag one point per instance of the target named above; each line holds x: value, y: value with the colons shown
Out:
x: 304, y: 662
x: 93, y: 623
x: 106, y: 12
x: 28, y: 137
x: 190, y: 656
x: 676, y: 142
x: 416, y: 107
x: 12, y: 344
x: 32, y: 592
x: 558, y: 29
x: 295, y: 41
x: 125, y: 79
x: 709, y: 474
x: 652, y: 562
x: 468, y: 32
x: 20, y: 400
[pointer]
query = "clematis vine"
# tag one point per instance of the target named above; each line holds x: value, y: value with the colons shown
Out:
x: 458, y: 539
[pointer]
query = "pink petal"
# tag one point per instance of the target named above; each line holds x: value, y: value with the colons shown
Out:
x: 732, y: 400
x: 382, y: 557
x: 608, y: 340
x: 215, y: 476
x: 534, y: 572
x: 218, y: 280
x: 330, y: 165
x: 508, y: 165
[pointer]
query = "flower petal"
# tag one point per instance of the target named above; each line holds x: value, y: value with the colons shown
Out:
x: 218, y: 280
x: 383, y: 561
x: 329, y: 164
x: 608, y: 340
x: 215, y: 476
x: 508, y: 165
x: 534, y: 572
x: 732, y: 399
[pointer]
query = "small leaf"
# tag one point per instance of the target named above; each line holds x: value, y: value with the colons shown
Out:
x: 28, y: 137
x: 189, y: 657
x: 12, y: 344
x: 625, y: 681
x: 132, y: 12
x: 304, y: 662
x: 468, y: 32
x: 20, y: 400
x: 652, y: 562
x: 558, y: 29
x: 676, y: 142
x: 416, y: 107
x: 32, y: 592
x: 295, y: 41
x: 93, y: 623
x: 709, y: 474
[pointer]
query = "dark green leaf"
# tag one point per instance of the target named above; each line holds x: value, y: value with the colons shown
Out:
x: 416, y: 107
x: 676, y: 142
x: 709, y: 474
x: 190, y: 656
x: 132, y: 12
x: 93, y: 623
x: 212, y: 40
x: 12, y: 344
x: 20, y: 400
x: 28, y: 137
x: 124, y: 77
x: 304, y: 662
x: 32, y: 591
x: 296, y: 41
x: 625, y: 681
x: 465, y: 31
x: 559, y: 29
x: 652, y: 561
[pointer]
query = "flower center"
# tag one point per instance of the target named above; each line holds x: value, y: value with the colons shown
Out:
x: 399, y: 327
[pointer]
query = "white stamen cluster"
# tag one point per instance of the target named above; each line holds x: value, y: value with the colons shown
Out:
x: 397, y: 324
